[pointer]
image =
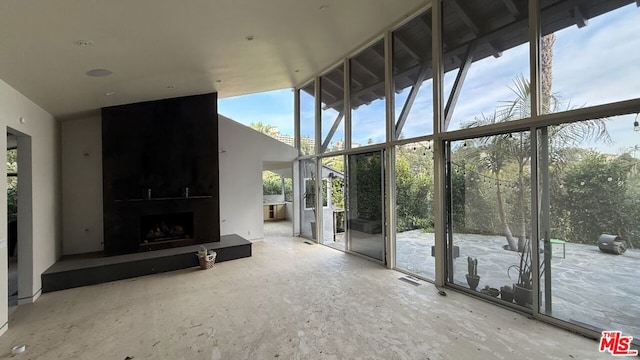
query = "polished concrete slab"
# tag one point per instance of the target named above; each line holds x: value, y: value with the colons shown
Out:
x: 290, y: 300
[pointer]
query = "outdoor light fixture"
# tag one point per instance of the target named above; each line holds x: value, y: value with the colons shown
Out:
x: 636, y: 125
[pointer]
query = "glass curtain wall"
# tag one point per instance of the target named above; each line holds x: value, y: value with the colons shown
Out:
x: 550, y: 192
x: 486, y: 62
x: 414, y: 209
x: 413, y: 85
x: 367, y: 96
x: 489, y: 214
x: 365, y: 199
x: 573, y: 54
x: 589, y: 188
x: 273, y: 118
x: 412, y: 78
x: 332, y: 99
x: 365, y: 215
x: 307, y: 119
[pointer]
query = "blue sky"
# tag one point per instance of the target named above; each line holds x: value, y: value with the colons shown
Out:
x: 271, y: 107
x: 594, y: 65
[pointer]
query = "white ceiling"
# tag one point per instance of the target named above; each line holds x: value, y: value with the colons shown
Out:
x: 167, y: 48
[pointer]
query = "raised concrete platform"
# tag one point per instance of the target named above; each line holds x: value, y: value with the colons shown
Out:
x: 94, y: 268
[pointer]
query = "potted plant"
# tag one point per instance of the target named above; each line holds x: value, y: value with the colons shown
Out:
x: 523, y: 287
x: 506, y: 293
x: 490, y: 291
x: 472, y: 277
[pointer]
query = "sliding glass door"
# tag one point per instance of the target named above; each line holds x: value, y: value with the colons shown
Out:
x: 365, y: 210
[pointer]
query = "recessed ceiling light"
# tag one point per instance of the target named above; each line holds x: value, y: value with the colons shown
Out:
x: 110, y: 93
x: 83, y: 43
x: 250, y: 37
x: 99, y: 72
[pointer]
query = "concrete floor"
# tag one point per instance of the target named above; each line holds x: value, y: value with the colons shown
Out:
x: 277, y: 228
x: 290, y: 300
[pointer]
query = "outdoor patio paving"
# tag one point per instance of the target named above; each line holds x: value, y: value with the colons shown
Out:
x: 589, y: 287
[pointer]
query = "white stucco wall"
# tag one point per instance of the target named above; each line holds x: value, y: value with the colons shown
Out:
x: 82, y: 185
x: 42, y: 203
x: 242, y: 153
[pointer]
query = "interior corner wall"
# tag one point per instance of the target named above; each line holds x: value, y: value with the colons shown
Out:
x: 43, y: 131
x: 240, y: 186
x: 82, y: 214
x: 242, y: 153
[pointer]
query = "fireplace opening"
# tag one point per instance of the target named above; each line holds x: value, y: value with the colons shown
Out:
x: 166, y: 227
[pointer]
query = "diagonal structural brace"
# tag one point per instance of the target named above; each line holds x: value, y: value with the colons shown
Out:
x: 332, y: 132
x: 411, y: 98
x: 457, y: 85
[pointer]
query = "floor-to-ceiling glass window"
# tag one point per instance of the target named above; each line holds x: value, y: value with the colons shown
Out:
x: 273, y: 117
x: 489, y: 209
x: 589, y: 53
x: 365, y: 199
x: 589, y: 188
x: 332, y: 110
x: 486, y: 62
x: 414, y: 209
x: 333, y: 217
x: 367, y: 96
x: 585, y: 186
x: 307, y: 119
x: 413, y: 85
x: 412, y: 78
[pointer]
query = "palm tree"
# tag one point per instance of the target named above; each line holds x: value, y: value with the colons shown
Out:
x: 498, y: 151
x: 492, y: 154
x: 263, y: 128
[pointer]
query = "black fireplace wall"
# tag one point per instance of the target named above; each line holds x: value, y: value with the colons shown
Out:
x: 165, y: 146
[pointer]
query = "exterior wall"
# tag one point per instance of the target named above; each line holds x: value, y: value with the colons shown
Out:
x: 39, y: 244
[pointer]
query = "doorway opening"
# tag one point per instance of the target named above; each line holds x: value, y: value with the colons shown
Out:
x: 12, y: 218
x: 19, y: 219
x: 365, y: 205
x: 277, y: 199
x: 333, y: 217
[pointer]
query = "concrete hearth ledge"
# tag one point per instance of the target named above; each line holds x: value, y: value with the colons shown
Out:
x: 94, y: 268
